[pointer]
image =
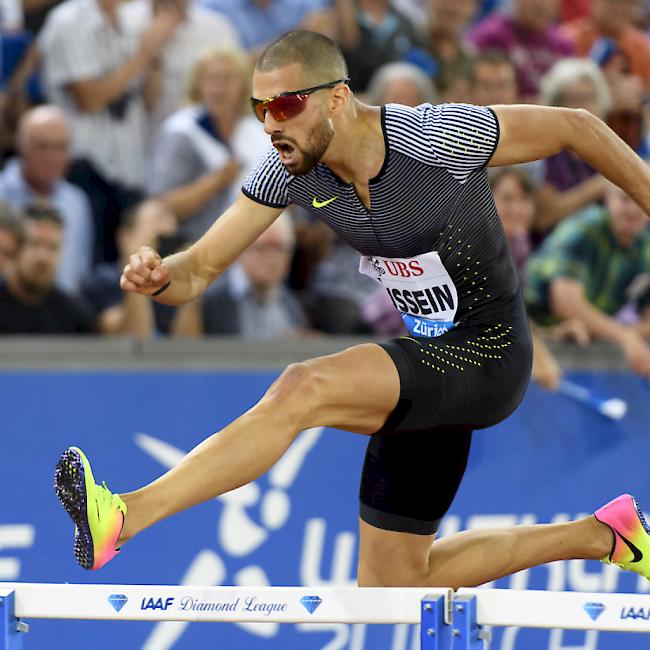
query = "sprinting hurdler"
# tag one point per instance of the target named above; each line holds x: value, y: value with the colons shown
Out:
x: 408, y: 188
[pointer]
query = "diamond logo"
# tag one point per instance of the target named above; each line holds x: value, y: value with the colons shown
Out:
x: 594, y: 609
x: 118, y: 601
x: 311, y: 603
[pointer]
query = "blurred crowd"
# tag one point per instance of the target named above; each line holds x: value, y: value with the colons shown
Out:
x: 126, y: 123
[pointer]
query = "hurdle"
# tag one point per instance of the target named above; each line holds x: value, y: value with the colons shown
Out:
x: 448, y: 619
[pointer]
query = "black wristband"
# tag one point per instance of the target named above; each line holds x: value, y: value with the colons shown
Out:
x: 159, y: 291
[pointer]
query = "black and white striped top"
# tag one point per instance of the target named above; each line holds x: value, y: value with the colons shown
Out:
x: 431, y: 194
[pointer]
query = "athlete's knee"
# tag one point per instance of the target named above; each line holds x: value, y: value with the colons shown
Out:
x: 296, y: 391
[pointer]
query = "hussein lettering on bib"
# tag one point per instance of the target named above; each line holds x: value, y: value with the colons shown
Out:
x: 419, y: 287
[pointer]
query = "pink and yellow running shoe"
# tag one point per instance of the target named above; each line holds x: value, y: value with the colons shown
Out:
x: 631, y: 547
x: 98, y: 514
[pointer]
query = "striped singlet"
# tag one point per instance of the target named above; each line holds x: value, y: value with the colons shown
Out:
x: 431, y: 194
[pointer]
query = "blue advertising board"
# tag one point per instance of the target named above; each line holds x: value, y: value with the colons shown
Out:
x: 552, y: 461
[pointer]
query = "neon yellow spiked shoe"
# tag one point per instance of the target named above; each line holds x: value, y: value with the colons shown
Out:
x: 98, y: 514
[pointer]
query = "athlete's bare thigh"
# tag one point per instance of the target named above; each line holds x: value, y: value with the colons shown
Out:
x: 355, y: 390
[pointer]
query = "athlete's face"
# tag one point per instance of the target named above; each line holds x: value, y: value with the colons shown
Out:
x: 301, y: 140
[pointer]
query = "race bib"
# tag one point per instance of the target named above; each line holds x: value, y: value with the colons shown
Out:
x: 419, y: 287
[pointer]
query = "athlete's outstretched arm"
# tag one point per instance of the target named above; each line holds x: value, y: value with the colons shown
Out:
x: 191, y: 271
x: 529, y: 132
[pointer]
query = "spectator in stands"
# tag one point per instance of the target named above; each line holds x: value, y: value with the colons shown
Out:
x: 98, y: 69
x: 203, y: 152
x: 252, y: 299
x: 39, y: 173
x: 15, y: 91
x: 493, y: 79
x: 611, y: 25
x: 19, y: 78
x: 150, y: 223
x: 446, y: 42
x: 11, y: 236
x: 527, y: 35
x: 589, y: 268
x: 30, y: 303
x: 570, y: 184
x: 514, y: 197
x: 371, y: 33
x: 199, y: 31
x: 401, y: 83
x: 608, y: 35
x: 261, y: 21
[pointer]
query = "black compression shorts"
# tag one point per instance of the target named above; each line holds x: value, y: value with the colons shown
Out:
x: 472, y: 377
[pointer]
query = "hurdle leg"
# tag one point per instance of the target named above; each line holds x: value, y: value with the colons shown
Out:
x: 468, y: 634
x: 11, y: 627
x: 435, y: 628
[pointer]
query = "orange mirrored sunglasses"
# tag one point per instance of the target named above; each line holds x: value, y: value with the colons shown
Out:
x: 287, y: 105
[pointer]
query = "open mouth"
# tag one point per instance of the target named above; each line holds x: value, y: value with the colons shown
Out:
x: 286, y: 150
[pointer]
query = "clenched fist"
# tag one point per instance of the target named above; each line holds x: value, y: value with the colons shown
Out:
x: 145, y: 272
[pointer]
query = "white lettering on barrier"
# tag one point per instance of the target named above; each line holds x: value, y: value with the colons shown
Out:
x: 14, y: 536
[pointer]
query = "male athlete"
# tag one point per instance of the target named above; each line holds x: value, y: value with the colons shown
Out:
x: 407, y: 187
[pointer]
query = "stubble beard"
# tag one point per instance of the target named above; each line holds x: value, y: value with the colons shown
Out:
x: 317, y: 142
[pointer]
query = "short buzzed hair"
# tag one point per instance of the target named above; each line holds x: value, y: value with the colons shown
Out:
x: 320, y: 57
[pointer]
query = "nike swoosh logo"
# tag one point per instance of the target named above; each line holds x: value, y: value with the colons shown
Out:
x: 321, y: 204
x: 638, y: 555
